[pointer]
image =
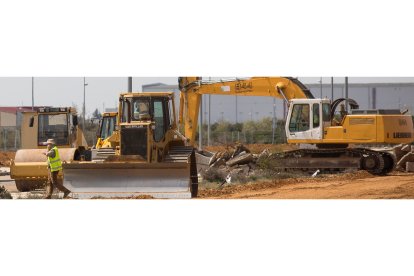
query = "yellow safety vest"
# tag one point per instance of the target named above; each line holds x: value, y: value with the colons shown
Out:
x: 54, y: 163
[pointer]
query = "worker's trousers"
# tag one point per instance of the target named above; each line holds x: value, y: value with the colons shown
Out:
x: 53, y: 182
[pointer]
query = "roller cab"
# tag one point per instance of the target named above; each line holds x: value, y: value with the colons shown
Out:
x: 29, y: 167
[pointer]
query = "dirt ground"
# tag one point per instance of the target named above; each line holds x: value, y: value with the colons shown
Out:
x: 358, y: 185
x: 5, y: 157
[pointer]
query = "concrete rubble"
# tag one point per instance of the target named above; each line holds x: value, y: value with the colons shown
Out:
x: 4, y: 171
x: 230, y: 165
x: 404, y: 154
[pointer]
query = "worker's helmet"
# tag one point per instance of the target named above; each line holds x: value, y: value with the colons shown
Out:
x: 50, y: 142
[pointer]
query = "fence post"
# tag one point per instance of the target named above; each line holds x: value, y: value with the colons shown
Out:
x: 15, y: 139
x: 5, y: 139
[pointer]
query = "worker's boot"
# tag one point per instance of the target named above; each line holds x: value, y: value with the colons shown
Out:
x: 49, y: 191
x: 66, y: 193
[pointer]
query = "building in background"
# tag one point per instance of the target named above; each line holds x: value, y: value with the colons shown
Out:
x: 10, y: 124
x: 11, y: 116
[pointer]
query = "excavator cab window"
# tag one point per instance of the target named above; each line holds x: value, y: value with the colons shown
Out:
x: 326, y: 112
x: 299, y: 120
x: 316, y: 116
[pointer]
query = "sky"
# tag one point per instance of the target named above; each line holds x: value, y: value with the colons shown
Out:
x: 102, y: 92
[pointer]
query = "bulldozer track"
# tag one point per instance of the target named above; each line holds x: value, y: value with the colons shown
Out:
x: 183, y: 154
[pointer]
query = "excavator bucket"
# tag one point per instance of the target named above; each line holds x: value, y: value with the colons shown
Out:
x: 127, y: 179
x: 29, y: 167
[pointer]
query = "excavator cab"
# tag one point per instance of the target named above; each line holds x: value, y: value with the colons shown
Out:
x: 307, y: 119
x: 313, y: 121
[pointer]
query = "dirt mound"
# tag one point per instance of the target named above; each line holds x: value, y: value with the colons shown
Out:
x: 5, y: 158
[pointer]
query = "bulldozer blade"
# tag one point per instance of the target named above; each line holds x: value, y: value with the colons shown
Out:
x: 123, y: 180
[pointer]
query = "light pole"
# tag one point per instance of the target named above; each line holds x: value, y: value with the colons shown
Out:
x: 129, y: 84
x: 32, y: 93
x: 321, y: 86
x: 84, y: 102
x: 346, y: 93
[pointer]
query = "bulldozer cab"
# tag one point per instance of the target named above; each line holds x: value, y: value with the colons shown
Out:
x: 145, y: 119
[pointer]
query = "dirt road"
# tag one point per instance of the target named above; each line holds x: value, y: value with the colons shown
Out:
x: 359, y: 185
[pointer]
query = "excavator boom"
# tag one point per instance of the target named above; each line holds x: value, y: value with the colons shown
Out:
x: 192, y: 88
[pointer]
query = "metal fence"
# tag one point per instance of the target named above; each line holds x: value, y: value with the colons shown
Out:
x: 245, y: 137
x: 10, y: 138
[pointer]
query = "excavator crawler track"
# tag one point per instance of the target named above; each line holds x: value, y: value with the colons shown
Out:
x: 375, y: 162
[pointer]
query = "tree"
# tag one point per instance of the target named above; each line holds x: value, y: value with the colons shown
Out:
x: 96, y: 114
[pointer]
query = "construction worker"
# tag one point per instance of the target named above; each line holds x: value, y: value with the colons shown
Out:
x: 54, y: 165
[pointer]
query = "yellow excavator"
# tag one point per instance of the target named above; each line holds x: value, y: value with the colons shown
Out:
x: 151, y: 157
x: 339, y: 145
x: 29, y: 167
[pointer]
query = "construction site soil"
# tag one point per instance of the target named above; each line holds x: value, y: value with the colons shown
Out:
x: 5, y: 157
x: 351, y: 185
x: 356, y: 185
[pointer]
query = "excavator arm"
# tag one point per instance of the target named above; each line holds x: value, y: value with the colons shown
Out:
x: 192, y: 88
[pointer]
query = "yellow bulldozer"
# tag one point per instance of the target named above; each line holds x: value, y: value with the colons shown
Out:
x: 151, y: 157
x: 29, y: 167
x: 106, y: 141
